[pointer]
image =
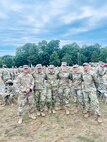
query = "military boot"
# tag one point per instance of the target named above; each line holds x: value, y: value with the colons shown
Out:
x: 67, y: 112
x: 32, y: 116
x: 57, y: 108
x: 99, y: 119
x: 38, y: 113
x: 42, y: 114
x: 84, y: 111
x: 20, y: 120
x: 53, y: 111
x: 87, y: 115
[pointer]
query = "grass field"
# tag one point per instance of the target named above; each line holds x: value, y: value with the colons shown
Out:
x: 52, y: 128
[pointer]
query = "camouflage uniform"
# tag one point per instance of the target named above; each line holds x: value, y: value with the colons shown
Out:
x: 5, y: 75
x: 12, y: 72
x: 52, y: 89
x: 25, y: 81
x: 90, y: 82
x: 10, y: 92
x: 77, y: 86
x: 64, y: 88
x: 100, y: 73
x: 39, y: 89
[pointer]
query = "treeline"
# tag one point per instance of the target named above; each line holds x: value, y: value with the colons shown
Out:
x: 48, y: 53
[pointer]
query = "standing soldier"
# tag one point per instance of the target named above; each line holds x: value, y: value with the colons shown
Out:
x: 5, y: 74
x: 52, y: 89
x: 64, y: 87
x: 90, y: 84
x: 39, y: 89
x: 25, y: 83
x: 100, y: 72
x: 77, y: 86
x: 13, y: 73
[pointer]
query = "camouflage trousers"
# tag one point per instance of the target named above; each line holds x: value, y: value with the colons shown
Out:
x: 24, y: 98
x: 78, y: 97
x: 91, y: 102
x: 10, y: 95
x: 51, y: 94
x: 63, y: 96
x: 40, y: 98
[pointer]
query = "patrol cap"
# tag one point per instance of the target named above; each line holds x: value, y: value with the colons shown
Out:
x: 102, y: 65
x: 21, y: 67
x: 25, y: 66
x: 51, y: 66
x: 75, y: 66
x: 4, y: 66
x: 64, y: 64
x: 39, y: 66
x: 105, y: 65
x: 85, y: 64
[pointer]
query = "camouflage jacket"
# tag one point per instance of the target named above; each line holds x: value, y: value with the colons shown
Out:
x: 5, y: 75
x: 90, y: 81
x: 77, y: 80
x: 39, y: 80
x: 25, y: 81
x: 63, y: 79
x: 52, y: 80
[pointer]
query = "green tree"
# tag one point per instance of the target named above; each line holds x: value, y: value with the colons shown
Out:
x: 95, y: 57
x: 52, y: 46
x: 22, y: 54
x: 103, y: 54
x: 8, y: 60
x: 67, y: 58
x: 82, y: 59
x: 87, y: 51
x: 44, y: 58
x: 54, y: 59
x: 70, y: 53
x: 1, y: 62
x: 33, y: 55
x: 42, y: 46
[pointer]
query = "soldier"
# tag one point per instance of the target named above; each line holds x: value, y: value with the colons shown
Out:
x: 5, y: 74
x: 77, y: 86
x: 100, y: 72
x: 12, y: 73
x: 25, y: 84
x: 39, y: 89
x: 64, y: 87
x: 90, y: 84
x: 52, y: 89
x: 9, y: 95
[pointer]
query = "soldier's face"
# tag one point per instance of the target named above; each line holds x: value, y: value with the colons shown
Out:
x: 26, y: 70
x: 51, y: 69
x: 75, y: 70
x: 64, y: 68
x: 39, y: 69
x: 86, y: 68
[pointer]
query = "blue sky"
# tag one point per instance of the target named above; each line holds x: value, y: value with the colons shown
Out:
x: 22, y: 21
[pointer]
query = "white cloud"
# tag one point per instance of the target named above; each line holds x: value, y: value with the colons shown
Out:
x: 31, y: 21
x: 91, y: 19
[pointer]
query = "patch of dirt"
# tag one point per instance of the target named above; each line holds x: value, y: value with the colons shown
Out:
x: 52, y: 128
